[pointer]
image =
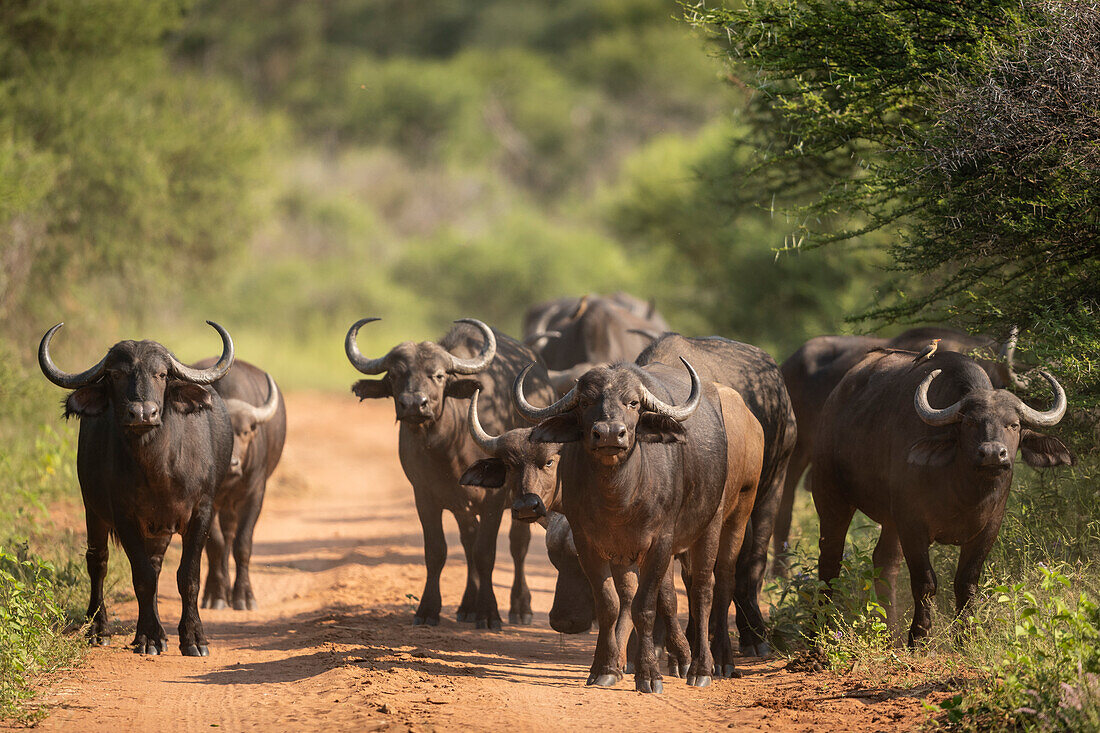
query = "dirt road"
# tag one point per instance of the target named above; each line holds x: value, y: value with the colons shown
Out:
x: 337, y: 564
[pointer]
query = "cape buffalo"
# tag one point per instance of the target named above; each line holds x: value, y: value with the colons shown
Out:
x: 926, y: 474
x: 527, y: 471
x: 259, y: 430
x: 430, y: 384
x: 817, y: 367
x: 598, y: 331
x: 756, y: 377
x: 155, y: 442
x: 643, y: 479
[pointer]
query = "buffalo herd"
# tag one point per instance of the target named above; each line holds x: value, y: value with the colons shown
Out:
x: 634, y: 447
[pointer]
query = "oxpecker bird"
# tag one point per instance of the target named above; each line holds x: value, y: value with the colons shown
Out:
x: 929, y: 350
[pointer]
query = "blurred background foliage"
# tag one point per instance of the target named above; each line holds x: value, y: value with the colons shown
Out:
x: 287, y: 167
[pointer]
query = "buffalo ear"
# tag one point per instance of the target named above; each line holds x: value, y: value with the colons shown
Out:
x: 654, y: 428
x: 186, y: 397
x: 488, y: 472
x: 366, y: 389
x: 1043, y: 451
x: 462, y: 389
x: 934, y: 452
x: 87, y: 401
x: 558, y: 429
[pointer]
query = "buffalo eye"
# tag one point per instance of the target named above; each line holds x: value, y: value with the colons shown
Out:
x: 162, y: 375
x: 549, y: 463
x: 634, y: 404
x: 439, y: 377
x: 1014, y: 426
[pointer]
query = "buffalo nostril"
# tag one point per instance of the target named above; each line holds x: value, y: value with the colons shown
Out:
x: 622, y: 432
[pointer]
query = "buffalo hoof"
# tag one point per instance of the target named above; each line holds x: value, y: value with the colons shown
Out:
x: 649, y: 686
x: 151, y: 647
x: 520, y: 619
x: 699, y: 680
x: 759, y: 649
x: 728, y: 671
x: 244, y: 605
x: 466, y: 617
x: 605, y: 680
x: 678, y: 670
x: 492, y: 624
x: 425, y: 620
x: 219, y: 604
x: 195, y: 650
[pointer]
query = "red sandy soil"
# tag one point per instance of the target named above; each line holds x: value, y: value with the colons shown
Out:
x: 337, y: 564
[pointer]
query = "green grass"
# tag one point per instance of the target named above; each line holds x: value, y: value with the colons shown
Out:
x: 1027, y: 658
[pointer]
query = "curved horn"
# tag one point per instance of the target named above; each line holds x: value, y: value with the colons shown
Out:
x: 651, y: 335
x: 58, y: 377
x: 533, y: 340
x: 487, y: 442
x: 582, y: 306
x: 351, y: 348
x: 535, y: 414
x: 681, y: 412
x: 266, y: 411
x: 482, y: 360
x: 1051, y: 417
x: 205, y: 376
x: 929, y: 414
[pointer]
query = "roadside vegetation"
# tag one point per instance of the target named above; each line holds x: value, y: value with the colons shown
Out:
x: 969, y: 133
x: 285, y: 168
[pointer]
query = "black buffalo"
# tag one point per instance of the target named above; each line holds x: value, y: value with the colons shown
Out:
x: 926, y: 474
x: 258, y: 415
x: 430, y: 385
x: 817, y: 367
x: 641, y: 480
x: 155, y: 443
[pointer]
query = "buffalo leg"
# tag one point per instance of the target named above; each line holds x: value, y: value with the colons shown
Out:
x: 725, y: 578
x: 216, y: 592
x: 922, y: 579
x: 972, y: 557
x: 751, y: 564
x: 519, y: 539
x: 887, y: 560
x: 701, y: 599
x: 679, y: 651
x: 96, y: 556
x: 145, y: 561
x: 467, y: 534
x: 243, y: 597
x: 605, y: 670
x: 435, y: 555
x: 626, y: 585
x: 647, y: 675
x: 782, y: 535
x: 192, y: 639
x: 487, y: 614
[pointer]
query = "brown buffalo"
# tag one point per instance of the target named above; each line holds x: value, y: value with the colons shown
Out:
x: 641, y: 480
x: 258, y: 415
x: 812, y: 372
x: 926, y: 474
x: 430, y: 385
